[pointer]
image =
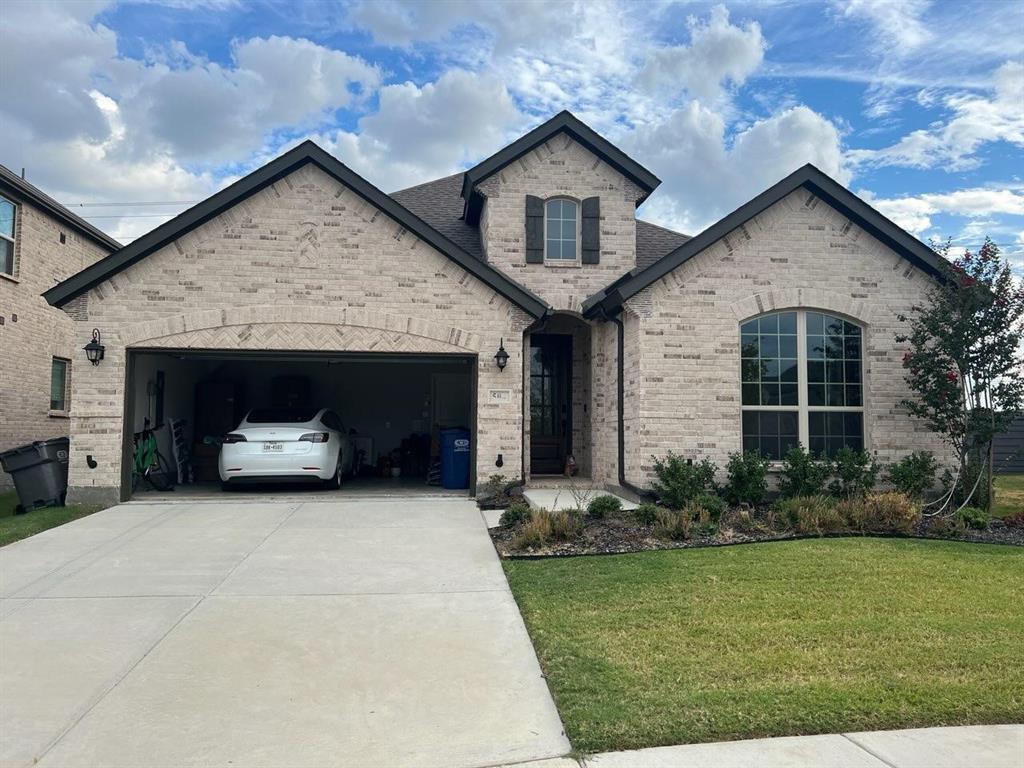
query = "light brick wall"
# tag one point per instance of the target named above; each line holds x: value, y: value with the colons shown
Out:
x: 32, y: 332
x: 798, y: 253
x: 560, y: 166
x: 303, y: 264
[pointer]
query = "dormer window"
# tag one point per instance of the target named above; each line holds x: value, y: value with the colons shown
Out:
x: 561, y: 230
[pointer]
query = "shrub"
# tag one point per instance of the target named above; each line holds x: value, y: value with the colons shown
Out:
x: 811, y: 515
x: 543, y: 527
x: 672, y: 524
x: 914, y: 474
x: 679, y: 481
x: 603, y: 505
x: 855, y: 473
x: 646, y: 514
x: 802, y: 474
x: 747, y: 474
x: 1016, y: 520
x: 951, y: 527
x: 890, y: 512
x: 974, y: 518
x: 515, y: 513
x: 495, y: 486
x: 713, y: 505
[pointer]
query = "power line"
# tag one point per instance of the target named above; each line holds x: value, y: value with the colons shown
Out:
x: 156, y: 202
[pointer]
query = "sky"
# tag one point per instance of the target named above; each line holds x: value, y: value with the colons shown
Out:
x: 129, y: 112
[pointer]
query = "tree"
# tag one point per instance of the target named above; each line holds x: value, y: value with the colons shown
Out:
x: 964, y: 364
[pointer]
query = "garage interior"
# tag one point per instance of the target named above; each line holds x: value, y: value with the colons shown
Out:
x: 393, y: 406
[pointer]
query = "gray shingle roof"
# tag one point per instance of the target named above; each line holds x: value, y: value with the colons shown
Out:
x: 439, y: 204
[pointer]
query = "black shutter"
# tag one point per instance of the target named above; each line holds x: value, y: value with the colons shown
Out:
x: 534, y: 230
x: 591, y: 230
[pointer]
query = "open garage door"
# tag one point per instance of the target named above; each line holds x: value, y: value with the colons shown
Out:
x: 393, y: 408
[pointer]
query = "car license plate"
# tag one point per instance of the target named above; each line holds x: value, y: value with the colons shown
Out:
x: 273, y: 447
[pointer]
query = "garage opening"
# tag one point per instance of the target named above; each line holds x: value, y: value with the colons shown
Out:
x: 394, y: 412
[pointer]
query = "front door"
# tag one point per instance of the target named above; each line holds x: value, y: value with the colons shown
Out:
x: 550, y: 403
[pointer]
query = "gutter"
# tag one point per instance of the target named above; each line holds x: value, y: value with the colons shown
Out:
x: 621, y: 386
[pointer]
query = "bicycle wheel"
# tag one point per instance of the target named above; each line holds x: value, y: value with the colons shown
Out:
x: 159, y: 475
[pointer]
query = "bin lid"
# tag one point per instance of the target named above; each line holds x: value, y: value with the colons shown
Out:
x: 53, y: 441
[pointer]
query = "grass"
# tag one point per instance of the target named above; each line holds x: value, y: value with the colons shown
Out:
x: 1009, y: 495
x: 14, y: 527
x: 777, y: 639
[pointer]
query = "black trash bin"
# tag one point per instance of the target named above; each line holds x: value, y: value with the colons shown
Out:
x: 40, y: 472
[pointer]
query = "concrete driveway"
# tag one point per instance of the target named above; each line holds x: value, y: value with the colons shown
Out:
x: 357, y: 632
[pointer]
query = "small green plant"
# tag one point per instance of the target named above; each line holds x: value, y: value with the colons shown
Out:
x: 747, y: 478
x: 673, y: 524
x: 855, y: 473
x: 890, y: 512
x: 601, y: 506
x: 680, y: 480
x: 646, y: 514
x: 914, y: 474
x: 815, y: 515
x: 515, y: 513
x: 495, y: 486
x: 802, y: 474
x: 544, y: 527
x: 714, y: 505
x: 974, y: 518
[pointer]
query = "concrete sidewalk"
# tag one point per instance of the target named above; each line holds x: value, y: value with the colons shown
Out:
x: 979, y: 746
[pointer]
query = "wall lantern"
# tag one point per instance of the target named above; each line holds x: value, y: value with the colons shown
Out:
x: 501, y: 356
x: 94, y: 350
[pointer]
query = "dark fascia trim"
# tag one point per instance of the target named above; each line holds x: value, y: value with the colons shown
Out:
x: 610, y: 299
x: 306, y: 152
x: 566, y: 122
x: 14, y: 185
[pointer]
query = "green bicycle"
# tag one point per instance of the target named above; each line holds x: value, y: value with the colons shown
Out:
x: 148, y: 464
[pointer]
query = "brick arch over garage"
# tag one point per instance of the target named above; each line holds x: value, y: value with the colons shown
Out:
x: 301, y: 328
x: 803, y: 298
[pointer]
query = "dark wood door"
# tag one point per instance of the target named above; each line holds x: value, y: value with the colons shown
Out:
x: 550, y: 402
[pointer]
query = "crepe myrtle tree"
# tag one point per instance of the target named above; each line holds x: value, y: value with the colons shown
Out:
x: 964, y: 362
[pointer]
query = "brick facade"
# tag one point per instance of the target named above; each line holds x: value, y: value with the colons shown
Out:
x: 684, y: 366
x: 302, y: 264
x: 32, y: 333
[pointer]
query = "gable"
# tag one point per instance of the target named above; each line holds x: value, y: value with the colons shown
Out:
x: 819, y: 187
x: 223, y: 202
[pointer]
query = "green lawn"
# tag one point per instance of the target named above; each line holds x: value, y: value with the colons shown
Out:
x: 772, y: 639
x: 1009, y: 495
x: 14, y: 527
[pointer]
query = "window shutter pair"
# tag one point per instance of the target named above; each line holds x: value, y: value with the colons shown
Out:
x: 590, y: 230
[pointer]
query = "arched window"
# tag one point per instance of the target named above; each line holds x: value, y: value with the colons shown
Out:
x: 561, y: 230
x: 802, y: 383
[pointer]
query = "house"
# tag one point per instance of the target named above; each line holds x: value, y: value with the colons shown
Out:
x: 302, y: 281
x: 41, y: 244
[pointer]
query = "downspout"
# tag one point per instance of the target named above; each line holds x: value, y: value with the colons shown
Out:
x: 642, y: 493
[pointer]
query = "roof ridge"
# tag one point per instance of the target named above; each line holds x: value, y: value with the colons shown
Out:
x: 664, y: 229
x: 427, y: 183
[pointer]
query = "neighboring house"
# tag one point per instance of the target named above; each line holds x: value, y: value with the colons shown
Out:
x: 1008, y: 449
x: 41, y: 244
x: 625, y: 340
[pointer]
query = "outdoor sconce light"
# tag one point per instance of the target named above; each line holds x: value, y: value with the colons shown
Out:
x: 94, y: 350
x: 501, y: 356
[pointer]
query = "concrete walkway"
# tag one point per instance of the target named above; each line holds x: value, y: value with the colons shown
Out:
x: 978, y: 746
x: 367, y: 632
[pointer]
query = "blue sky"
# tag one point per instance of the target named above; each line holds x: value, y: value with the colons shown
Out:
x: 918, y: 106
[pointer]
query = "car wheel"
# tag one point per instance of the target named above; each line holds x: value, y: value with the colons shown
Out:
x: 335, y: 482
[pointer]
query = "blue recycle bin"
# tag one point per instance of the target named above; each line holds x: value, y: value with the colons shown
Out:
x: 455, y: 455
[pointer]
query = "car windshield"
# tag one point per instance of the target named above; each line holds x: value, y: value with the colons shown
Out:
x: 280, y: 416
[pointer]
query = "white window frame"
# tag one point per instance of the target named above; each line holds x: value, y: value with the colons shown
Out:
x: 803, y: 409
x: 561, y: 261
x: 12, y: 239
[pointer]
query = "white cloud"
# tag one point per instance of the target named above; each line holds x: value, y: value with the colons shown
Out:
x: 898, y: 24
x: 421, y: 133
x: 976, y: 121
x: 705, y: 179
x: 719, y: 52
x: 914, y: 213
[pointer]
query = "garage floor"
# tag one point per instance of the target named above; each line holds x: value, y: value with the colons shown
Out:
x: 353, y: 488
x: 284, y: 633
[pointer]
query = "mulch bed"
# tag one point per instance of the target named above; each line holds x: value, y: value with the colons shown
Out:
x: 620, y: 533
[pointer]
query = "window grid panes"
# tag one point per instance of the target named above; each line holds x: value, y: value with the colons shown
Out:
x: 58, y: 385
x: 7, y: 213
x: 801, y: 383
x: 560, y: 230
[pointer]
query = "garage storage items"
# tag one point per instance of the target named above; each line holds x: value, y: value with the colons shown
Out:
x: 40, y: 472
x: 455, y: 455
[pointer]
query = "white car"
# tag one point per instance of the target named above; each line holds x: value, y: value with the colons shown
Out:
x: 285, y: 445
